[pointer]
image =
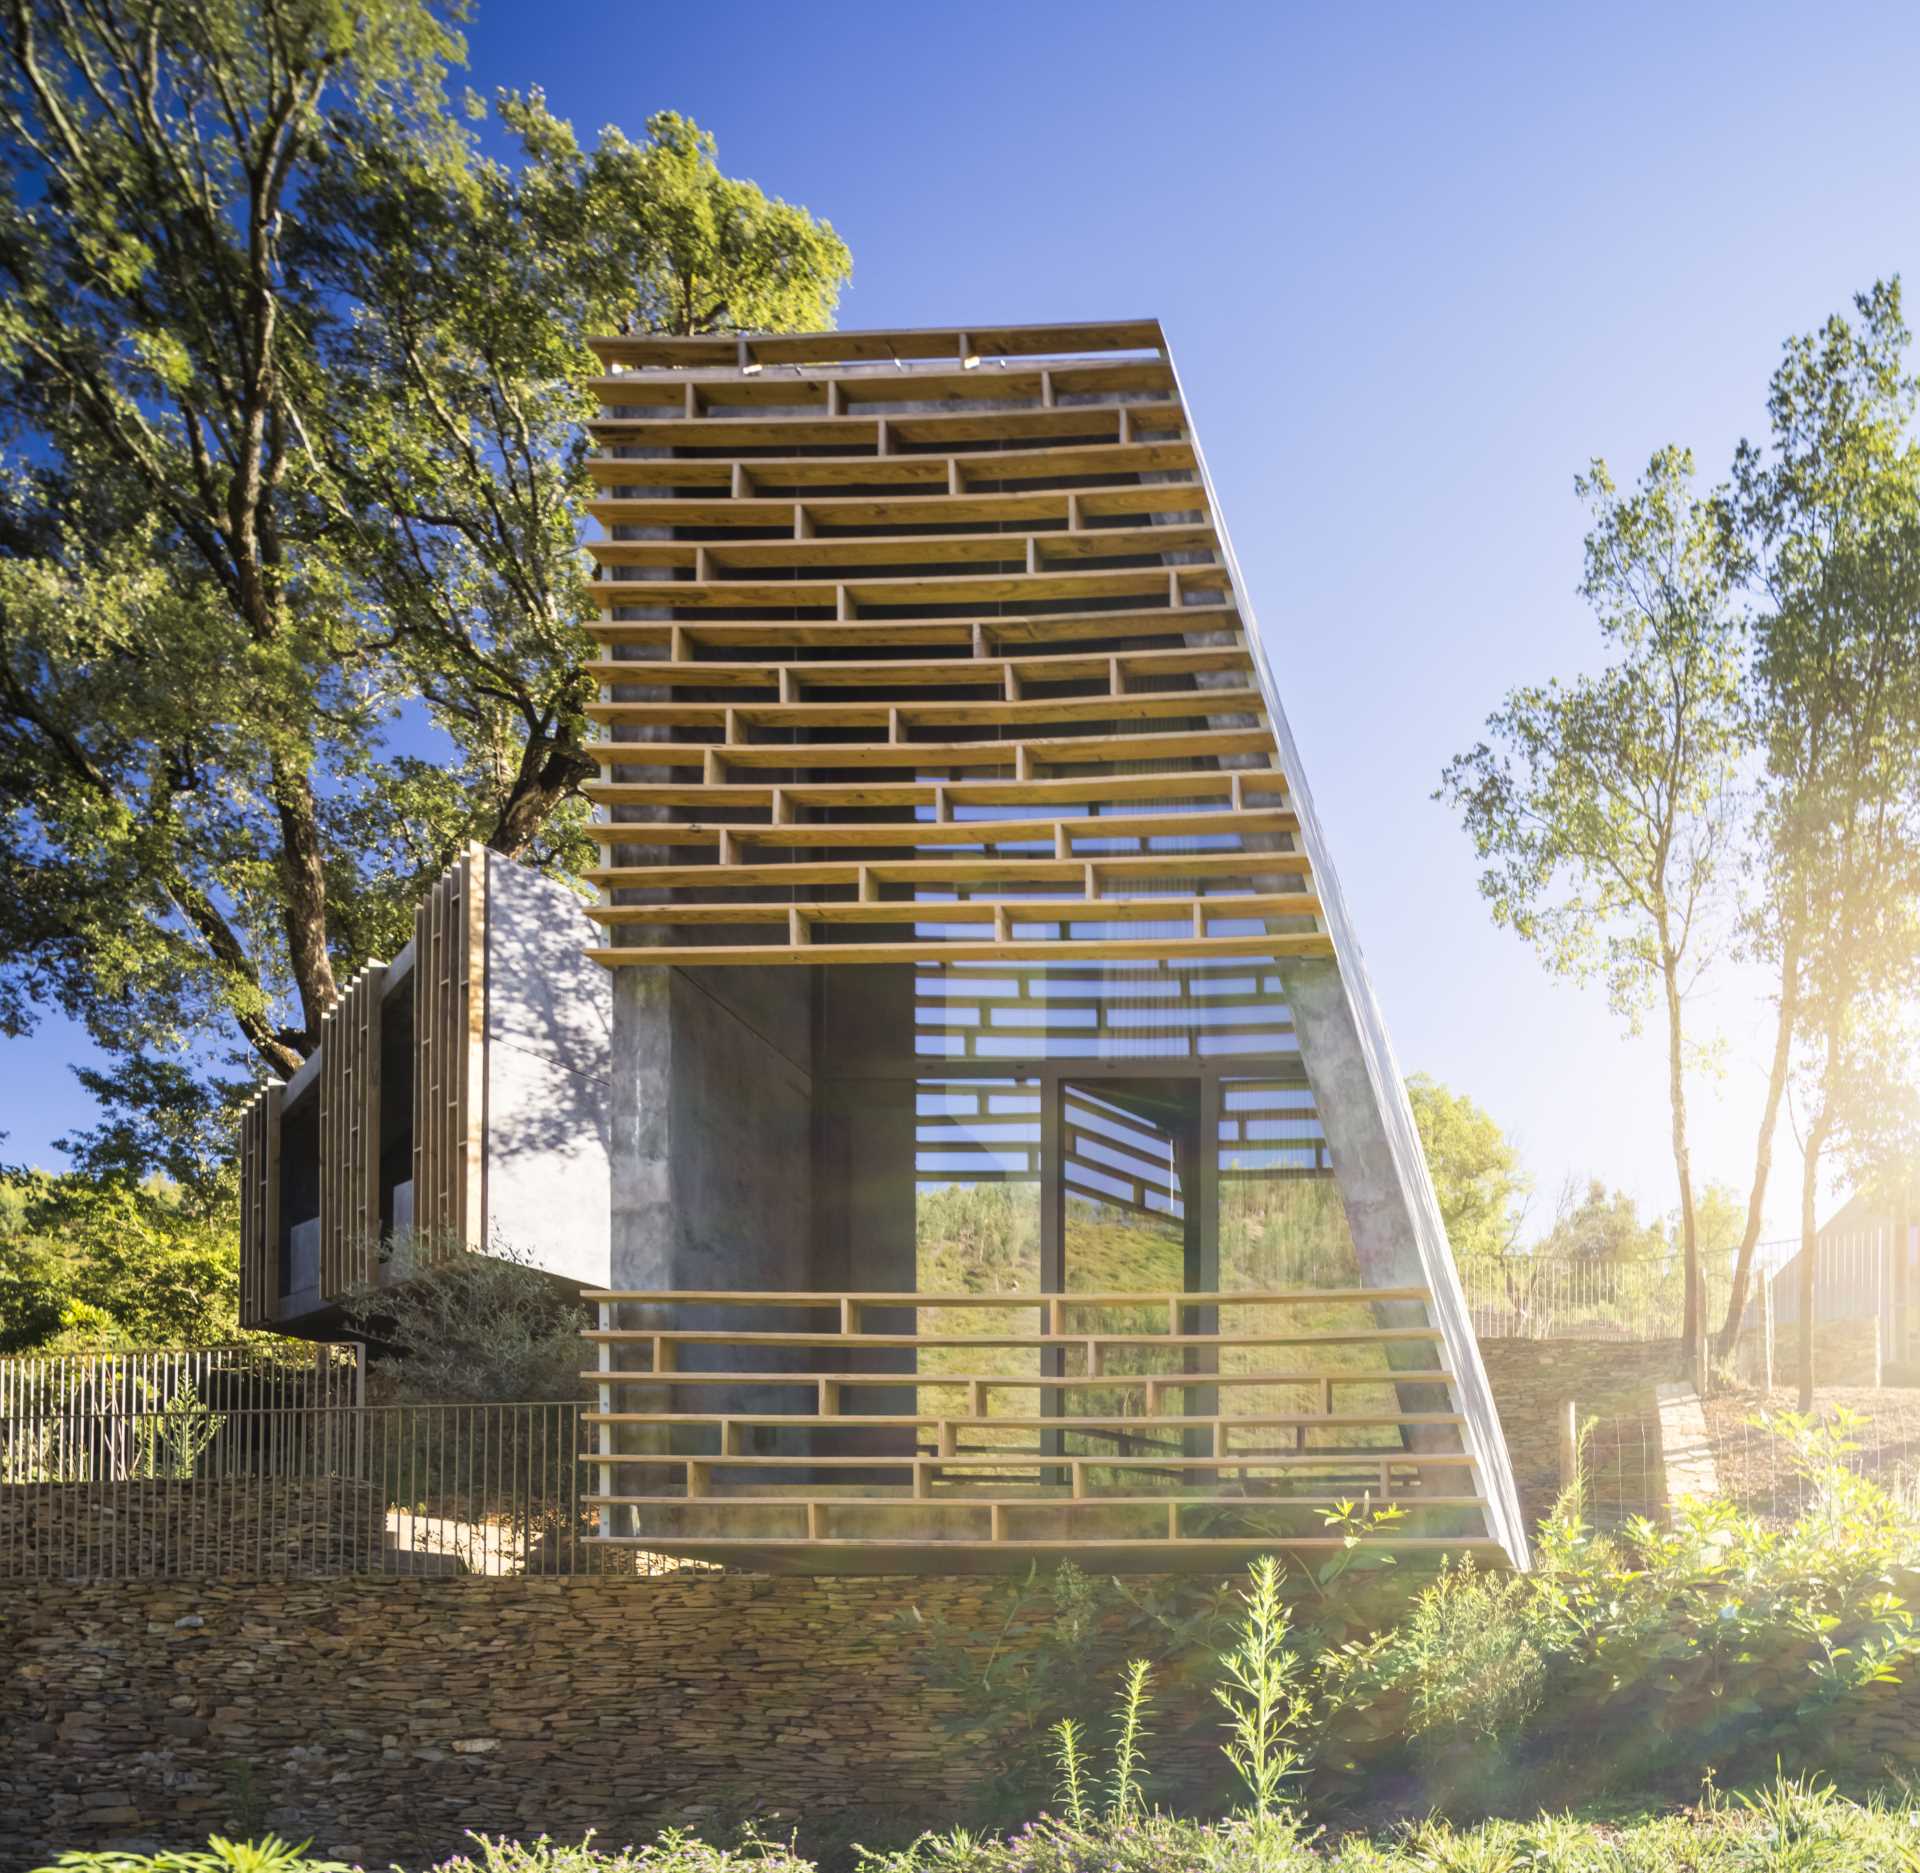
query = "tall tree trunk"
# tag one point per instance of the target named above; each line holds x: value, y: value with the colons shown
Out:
x: 1817, y: 1133
x: 1809, y: 1243
x: 302, y: 864
x: 1763, y: 1149
x: 1693, y: 1324
x: 550, y: 773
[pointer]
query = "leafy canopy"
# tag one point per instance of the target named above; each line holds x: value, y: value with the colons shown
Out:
x: 1475, y: 1170
x: 291, y: 490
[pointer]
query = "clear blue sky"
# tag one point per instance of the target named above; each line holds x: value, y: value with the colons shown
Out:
x: 1418, y: 265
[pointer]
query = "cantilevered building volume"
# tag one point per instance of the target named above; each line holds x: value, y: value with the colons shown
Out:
x: 1007, y: 1154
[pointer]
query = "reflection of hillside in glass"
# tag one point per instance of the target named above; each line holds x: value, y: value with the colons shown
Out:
x: 1284, y: 1231
x: 977, y: 1231
x: 1131, y: 1162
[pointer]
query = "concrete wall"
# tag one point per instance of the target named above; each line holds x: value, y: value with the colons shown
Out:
x: 712, y: 1128
x: 549, y: 1018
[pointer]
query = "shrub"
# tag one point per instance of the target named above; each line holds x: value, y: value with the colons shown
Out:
x: 458, y: 1327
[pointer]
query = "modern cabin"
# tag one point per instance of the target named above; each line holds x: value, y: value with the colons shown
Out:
x: 1008, y: 1158
x: 458, y: 1096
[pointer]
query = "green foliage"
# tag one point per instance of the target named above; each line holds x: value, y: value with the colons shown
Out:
x: 1785, y: 1825
x: 673, y: 1852
x: 454, y: 1326
x: 1789, y: 1826
x: 1471, y: 1654
x: 1263, y: 1695
x: 1832, y: 506
x: 1057, y: 1639
x: 1604, y: 808
x: 89, y: 1265
x: 293, y: 376
x: 1638, y: 1660
x: 1601, y: 1226
x: 271, y: 1855
x: 1129, y: 1773
x: 1475, y: 1170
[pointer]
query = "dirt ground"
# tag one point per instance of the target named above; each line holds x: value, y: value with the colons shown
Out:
x: 1757, y: 1467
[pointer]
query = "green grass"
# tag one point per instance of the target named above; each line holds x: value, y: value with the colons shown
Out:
x: 1785, y: 1827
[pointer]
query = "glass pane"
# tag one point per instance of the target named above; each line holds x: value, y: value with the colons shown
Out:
x: 1283, y: 1229
x: 977, y: 1232
x: 1129, y: 1227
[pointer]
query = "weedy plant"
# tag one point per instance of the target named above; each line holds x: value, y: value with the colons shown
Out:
x: 271, y: 1855
x: 1263, y: 1695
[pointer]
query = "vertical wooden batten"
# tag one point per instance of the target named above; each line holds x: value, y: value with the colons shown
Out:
x: 449, y: 1037
x: 260, y: 1206
x: 349, y: 1094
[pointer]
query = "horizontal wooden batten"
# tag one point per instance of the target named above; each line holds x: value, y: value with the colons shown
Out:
x: 944, y: 588
x: 927, y: 474
x: 742, y: 555
x: 823, y: 387
x: 1005, y: 633
x: 986, y: 671
x: 793, y: 874
x: 961, y: 712
x: 894, y: 344
x: 929, y: 1420
x: 906, y: 835
x: 1069, y: 1299
x: 1153, y: 1384
x: 946, y: 428
x: 1005, y: 914
x: 1053, y: 751
x: 930, y: 507
x: 958, y: 950
x: 1071, y: 790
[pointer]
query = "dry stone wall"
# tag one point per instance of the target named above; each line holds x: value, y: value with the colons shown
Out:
x: 257, y: 1526
x: 1533, y: 1379
x: 383, y: 1718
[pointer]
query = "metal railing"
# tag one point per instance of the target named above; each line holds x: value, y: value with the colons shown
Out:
x: 249, y: 1373
x: 192, y: 1492
x: 1583, y: 1298
x: 773, y: 1421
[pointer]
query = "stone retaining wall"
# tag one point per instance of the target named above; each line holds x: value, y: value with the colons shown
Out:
x: 206, y: 1527
x: 382, y: 1718
x: 1531, y: 1381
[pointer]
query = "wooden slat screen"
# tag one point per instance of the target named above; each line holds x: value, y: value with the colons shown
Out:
x: 923, y: 646
x: 349, y: 1094
x: 260, y: 1206
x: 449, y: 1014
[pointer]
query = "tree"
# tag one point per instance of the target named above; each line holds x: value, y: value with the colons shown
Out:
x: 166, y: 734
x: 1602, y: 807
x: 1475, y: 1170
x: 92, y: 1264
x: 292, y: 379
x: 1598, y: 1225
x: 461, y: 291
x: 1833, y: 510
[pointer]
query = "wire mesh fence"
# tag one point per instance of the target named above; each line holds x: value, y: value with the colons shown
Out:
x: 1548, y: 1297
x: 1754, y: 1461
x: 188, y: 1491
